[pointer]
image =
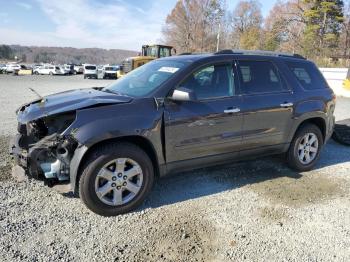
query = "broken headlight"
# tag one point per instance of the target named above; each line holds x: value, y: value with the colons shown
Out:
x: 49, y: 125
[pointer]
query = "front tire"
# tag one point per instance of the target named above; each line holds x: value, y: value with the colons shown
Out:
x: 305, y: 148
x: 116, y: 179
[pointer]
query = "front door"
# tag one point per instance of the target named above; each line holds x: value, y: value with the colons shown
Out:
x: 208, y: 129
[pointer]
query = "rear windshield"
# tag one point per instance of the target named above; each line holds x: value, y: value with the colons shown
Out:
x: 110, y: 69
x: 90, y: 67
x: 308, y: 75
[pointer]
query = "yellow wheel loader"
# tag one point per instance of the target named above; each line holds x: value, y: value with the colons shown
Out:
x: 149, y: 53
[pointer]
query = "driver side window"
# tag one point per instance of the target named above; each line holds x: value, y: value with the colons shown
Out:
x: 212, y: 81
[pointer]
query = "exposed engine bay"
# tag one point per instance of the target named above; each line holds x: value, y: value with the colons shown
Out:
x: 53, y: 132
x: 45, y: 152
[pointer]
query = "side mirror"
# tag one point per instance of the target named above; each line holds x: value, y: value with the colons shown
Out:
x: 183, y: 94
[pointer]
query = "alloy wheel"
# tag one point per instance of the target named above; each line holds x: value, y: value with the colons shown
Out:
x: 119, y: 181
x: 308, y: 148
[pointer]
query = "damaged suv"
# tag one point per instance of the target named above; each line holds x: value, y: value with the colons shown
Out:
x: 174, y: 114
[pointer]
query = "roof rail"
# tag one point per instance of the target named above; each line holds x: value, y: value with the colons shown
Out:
x: 195, y: 53
x: 258, y: 52
x: 187, y: 53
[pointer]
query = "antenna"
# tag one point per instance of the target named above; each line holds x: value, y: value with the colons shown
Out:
x: 35, y: 92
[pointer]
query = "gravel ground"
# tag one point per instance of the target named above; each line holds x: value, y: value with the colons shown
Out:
x: 256, y: 211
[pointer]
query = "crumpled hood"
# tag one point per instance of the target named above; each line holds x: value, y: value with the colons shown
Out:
x: 67, y: 101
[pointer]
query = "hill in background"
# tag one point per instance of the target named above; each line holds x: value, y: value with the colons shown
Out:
x: 62, y: 55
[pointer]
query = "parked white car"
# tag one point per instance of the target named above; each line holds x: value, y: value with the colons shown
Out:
x: 49, y: 70
x: 10, y: 68
x: 90, y: 71
x: 68, y: 69
x: 78, y: 69
x: 110, y: 72
x: 2, y: 68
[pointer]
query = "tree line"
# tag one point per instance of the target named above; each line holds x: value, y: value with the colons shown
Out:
x: 62, y: 55
x: 316, y: 29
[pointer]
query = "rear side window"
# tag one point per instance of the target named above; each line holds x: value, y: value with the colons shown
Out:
x: 307, y: 75
x: 259, y: 77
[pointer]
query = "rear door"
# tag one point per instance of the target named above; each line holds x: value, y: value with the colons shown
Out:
x: 210, y: 127
x: 267, y: 104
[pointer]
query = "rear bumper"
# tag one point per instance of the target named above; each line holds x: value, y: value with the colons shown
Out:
x: 90, y: 75
x: 110, y: 75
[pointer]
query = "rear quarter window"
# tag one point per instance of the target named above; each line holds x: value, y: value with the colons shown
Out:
x: 308, y: 75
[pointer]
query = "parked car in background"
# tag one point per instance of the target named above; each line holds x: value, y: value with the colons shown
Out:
x: 49, y: 70
x: 90, y: 71
x: 174, y: 114
x: 78, y: 69
x: 24, y: 70
x: 69, y: 69
x: 2, y: 68
x: 66, y: 70
x: 10, y: 68
x: 110, y: 72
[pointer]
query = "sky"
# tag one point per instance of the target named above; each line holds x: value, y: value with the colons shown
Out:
x: 111, y: 24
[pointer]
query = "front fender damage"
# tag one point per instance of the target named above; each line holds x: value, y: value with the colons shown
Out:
x: 43, y: 150
x: 50, y: 158
x: 46, y: 144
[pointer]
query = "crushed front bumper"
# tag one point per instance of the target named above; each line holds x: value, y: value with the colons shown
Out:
x: 53, y: 170
x: 20, y: 155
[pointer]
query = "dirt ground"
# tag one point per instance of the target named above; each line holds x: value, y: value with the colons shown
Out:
x: 255, y: 211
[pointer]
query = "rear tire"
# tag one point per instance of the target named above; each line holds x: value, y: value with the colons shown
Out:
x: 305, y: 148
x: 113, y: 164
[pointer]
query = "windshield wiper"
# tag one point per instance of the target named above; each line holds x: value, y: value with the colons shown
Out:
x: 110, y: 91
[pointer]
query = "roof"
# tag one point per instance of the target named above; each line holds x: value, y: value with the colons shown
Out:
x: 258, y: 52
x: 197, y: 56
x: 160, y: 45
x: 193, y: 57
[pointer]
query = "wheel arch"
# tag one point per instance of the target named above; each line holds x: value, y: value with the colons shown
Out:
x: 139, y: 141
x: 318, y: 121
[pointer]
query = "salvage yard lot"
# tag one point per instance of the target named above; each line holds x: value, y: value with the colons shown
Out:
x: 258, y: 210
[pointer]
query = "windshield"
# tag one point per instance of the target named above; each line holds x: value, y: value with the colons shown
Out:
x: 152, y: 51
x: 90, y: 67
x: 146, y: 78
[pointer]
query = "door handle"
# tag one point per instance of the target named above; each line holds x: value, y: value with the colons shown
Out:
x: 287, y: 105
x: 232, y: 110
